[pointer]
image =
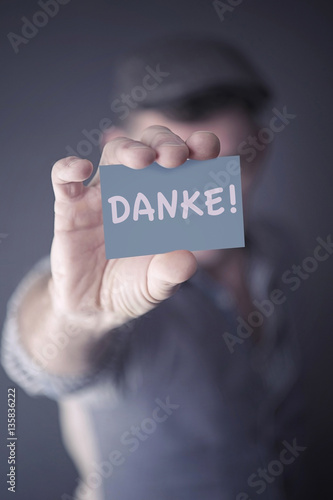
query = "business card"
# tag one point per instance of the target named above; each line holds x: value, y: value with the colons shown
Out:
x: 196, y: 206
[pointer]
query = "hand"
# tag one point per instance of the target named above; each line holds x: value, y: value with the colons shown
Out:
x: 83, y: 281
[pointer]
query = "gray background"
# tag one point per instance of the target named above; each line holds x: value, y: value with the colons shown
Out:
x: 58, y: 85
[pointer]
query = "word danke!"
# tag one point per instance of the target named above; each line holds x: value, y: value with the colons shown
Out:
x: 142, y: 206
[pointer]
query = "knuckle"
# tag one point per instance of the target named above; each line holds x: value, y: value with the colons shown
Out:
x: 116, y: 142
x: 111, y: 146
x: 152, y: 128
x: 64, y: 163
x: 163, y: 136
x: 61, y: 163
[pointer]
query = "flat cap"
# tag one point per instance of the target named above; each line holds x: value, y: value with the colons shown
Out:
x: 189, y: 67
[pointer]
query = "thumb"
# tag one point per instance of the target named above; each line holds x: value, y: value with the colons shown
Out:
x: 167, y: 271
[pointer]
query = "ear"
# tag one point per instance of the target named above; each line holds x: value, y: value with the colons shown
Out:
x: 111, y: 133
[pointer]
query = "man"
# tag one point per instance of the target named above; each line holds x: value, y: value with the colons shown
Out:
x: 165, y: 389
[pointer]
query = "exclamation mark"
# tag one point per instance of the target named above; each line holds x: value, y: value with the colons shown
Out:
x: 232, y: 192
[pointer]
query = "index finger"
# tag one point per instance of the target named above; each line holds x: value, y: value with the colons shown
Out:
x: 125, y: 151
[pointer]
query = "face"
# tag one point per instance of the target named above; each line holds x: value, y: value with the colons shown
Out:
x: 232, y: 126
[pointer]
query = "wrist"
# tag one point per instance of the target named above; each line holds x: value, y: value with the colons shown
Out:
x: 86, y: 319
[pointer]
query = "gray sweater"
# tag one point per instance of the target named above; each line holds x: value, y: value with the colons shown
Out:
x: 185, y: 403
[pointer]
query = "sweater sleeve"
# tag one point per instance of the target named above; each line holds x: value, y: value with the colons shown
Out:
x: 27, y: 371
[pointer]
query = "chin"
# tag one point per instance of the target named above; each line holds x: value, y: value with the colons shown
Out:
x: 208, y: 258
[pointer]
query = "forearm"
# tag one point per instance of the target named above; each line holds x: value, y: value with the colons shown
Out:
x: 43, y: 361
x: 61, y: 344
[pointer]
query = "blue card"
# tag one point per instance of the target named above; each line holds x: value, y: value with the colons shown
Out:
x: 197, y: 206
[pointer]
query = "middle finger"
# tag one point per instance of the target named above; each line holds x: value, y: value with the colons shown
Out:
x: 171, y: 150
